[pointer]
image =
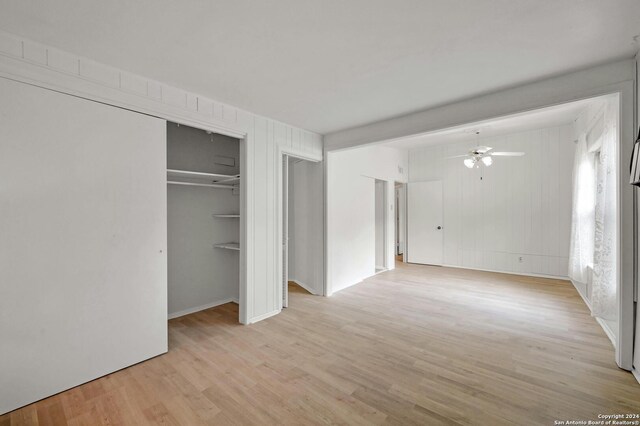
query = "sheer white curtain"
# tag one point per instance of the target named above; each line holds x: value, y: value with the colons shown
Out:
x: 594, y: 220
x: 583, y: 213
x: 603, y: 293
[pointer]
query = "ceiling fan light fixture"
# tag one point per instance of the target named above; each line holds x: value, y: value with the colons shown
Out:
x: 487, y: 161
x: 470, y: 162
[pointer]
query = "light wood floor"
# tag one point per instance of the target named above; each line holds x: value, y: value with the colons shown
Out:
x: 417, y: 345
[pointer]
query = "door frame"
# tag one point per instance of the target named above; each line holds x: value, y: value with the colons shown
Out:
x: 396, y: 220
x: 285, y: 230
x: 400, y: 217
x: 284, y: 153
x: 244, y: 242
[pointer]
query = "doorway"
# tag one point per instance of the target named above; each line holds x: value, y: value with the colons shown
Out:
x: 400, y: 202
x: 302, y: 227
x: 380, y: 226
x: 515, y: 216
x: 203, y: 219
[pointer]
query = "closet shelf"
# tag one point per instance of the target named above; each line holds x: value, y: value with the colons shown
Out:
x: 212, y: 180
x: 228, y: 246
x: 230, y: 180
x: 227, y: 215
x: 209, y: 185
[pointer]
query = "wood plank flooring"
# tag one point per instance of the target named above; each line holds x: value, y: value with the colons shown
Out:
x: 416, y: 345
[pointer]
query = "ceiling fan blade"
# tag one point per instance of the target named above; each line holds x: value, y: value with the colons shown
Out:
x: 482, y: 149
x: 457, y: 156
x: 508, y: 154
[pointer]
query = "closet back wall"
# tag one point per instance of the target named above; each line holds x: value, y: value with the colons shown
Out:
x: 200, y: 276
x: 518, y: 217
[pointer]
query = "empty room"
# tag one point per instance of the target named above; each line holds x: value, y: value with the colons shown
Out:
x: 319, y: 212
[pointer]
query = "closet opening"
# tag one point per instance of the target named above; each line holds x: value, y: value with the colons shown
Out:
x: 302, y: 226
x: 204, y: 211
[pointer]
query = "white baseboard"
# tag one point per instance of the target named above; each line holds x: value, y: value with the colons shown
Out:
x: 523, y: 274
x: 201, y: 307
x: 584, y: 297
x: 463, y: 267
x: 303, y: 285
x: 264, y: 316
x: 602, y: 323
x: 607, y: 330
x: 636, y: 374
x: 347, y: 286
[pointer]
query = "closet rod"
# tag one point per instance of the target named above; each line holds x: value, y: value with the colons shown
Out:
x: 200, y: 175
x: 235, y: 178
x: 228, y: 246
x: 208, y: 185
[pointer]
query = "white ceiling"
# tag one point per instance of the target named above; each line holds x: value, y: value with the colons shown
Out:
x: 325, y: 65
x: 522, y: 122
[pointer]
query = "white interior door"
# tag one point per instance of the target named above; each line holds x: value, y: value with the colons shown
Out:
x: 424, y: 223
x: 285, y: 231
x: 83, y: 246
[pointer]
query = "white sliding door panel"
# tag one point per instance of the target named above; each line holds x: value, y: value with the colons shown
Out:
x: 424, y: 230
x: 83, y: 266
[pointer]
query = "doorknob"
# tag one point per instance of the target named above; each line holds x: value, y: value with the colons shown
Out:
x: 439, y: 227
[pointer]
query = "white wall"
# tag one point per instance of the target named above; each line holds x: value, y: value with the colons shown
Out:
x: 306, y: 225
x: 265, y: 139
x: 83, y: 255
x: 350, y: 215
x: 199, y: 275
x: 517, y: 218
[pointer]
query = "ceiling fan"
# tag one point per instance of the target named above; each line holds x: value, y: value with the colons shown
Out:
x: 483, y: 155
